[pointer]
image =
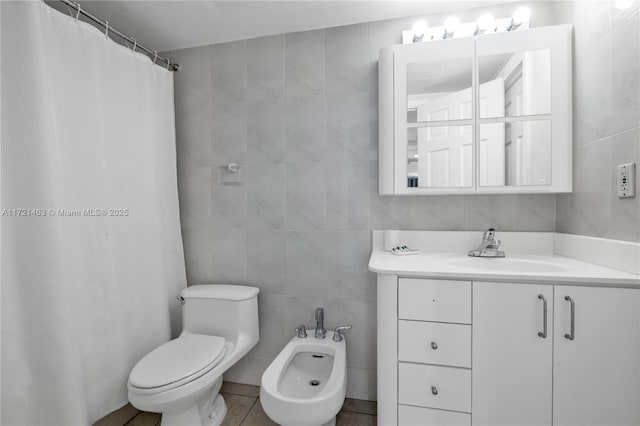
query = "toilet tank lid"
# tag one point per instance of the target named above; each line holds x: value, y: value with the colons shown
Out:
x: 220, y: 291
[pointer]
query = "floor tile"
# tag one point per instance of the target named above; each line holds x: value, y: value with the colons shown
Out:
x: 237, y: 408
x: 145, y: 419
x: 119, y: 417
x: 346, y: 418
x: 360, y: 406
x: 240, y: 389
x: 257, y: 417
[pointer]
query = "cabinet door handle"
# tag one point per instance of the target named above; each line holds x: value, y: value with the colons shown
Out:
x: 434, y: 390
x: 434, y: 345
x: 543, y: 333
x: 572, y: 334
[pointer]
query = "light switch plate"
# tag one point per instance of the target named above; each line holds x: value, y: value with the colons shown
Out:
x: 627, y: 180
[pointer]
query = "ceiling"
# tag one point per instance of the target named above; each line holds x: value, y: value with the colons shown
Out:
x: 167, y: 25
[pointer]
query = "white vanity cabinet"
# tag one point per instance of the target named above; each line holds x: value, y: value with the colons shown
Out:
x: 485, y: 114
x: 456, y: 352
x: 582, y: 368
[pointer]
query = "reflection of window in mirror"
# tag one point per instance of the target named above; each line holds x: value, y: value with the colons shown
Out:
x: 439, y: 90
x: 515, y: 84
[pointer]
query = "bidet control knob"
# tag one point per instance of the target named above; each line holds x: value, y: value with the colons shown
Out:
x: 302, y: 331
x: 337, y: 335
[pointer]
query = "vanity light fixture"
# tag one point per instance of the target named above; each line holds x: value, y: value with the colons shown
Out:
x: 519, y: 16
x: 485, y: 24
x: 623, y: 4
x: 419, y: 29
x: 450, y: 26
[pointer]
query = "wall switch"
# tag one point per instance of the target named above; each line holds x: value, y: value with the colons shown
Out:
x: 627, y: 180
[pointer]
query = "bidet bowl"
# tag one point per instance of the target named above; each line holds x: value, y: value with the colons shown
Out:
x: 306, y: 383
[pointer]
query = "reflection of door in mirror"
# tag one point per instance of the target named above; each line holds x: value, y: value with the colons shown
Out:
x: 445, y: 152
x: 492, y: 137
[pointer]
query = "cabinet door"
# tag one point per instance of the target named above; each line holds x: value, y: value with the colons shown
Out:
x: 597, y: 365
x: 511, y: 355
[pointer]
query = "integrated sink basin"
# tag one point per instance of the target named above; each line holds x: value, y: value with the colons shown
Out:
x: 508, y: 265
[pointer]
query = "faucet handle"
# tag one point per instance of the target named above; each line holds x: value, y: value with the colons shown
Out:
x: 302, y: 331
x: 337, y: 335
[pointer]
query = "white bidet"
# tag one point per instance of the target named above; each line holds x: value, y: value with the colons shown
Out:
x: 307, y: 382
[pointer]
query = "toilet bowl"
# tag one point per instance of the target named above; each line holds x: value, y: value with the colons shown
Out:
x: 181, y: 378
x: 306, y: 383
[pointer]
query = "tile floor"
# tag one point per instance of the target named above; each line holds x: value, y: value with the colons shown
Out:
x: 244, y: 409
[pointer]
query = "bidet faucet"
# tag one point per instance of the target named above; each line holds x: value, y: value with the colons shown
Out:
x: 321, y: 332
x: 337, y: 335
x: 489, y: 245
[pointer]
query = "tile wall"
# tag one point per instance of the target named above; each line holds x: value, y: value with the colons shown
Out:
x: 606, y: 117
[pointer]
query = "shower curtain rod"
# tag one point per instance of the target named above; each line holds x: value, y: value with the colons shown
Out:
x: 157, y: 59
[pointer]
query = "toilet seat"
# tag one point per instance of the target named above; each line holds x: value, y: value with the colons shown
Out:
x: 177, y: 362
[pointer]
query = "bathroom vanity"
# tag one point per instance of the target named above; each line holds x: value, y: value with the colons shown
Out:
x: 544, y: 336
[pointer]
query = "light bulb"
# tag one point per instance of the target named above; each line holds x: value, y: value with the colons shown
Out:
x: 485, y: 23
x: 419, y: 28
x: 623, y: 4
x: 450, y: 26
x: 520, y: 16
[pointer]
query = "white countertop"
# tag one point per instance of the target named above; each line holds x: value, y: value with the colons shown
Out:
x: 455, y: 264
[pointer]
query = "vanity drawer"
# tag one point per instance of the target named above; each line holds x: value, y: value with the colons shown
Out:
x: 411, y: 416
x: 434, y: 300
x: 448, y: 388
x: 434, y: 343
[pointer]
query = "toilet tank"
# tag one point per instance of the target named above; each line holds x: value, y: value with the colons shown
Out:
x: 229, y: 311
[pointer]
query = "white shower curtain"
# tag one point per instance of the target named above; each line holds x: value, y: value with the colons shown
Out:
x: 91, y: 267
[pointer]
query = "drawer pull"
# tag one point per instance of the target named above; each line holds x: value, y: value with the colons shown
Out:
x: 434, y: 390
x: 434, y: 345
x: 572, y: 334
x: 543, y: 333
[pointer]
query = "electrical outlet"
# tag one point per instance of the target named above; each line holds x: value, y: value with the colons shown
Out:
x: 627, y: 180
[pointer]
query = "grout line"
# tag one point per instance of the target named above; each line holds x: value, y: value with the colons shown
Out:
x: 248, y: 411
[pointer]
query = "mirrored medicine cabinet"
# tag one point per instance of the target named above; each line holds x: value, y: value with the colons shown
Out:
x: 486, y: 114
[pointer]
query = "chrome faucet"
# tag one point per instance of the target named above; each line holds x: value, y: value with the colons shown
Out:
x: 321, y: 332
x: 489, y: 245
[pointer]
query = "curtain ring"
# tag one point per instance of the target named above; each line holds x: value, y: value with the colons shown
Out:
x: 106, y: 29
x: 155, y: 57
x: 79, y: 9
x: 135, y: 44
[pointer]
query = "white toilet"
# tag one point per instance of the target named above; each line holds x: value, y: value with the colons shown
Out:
x: 306, y: 384
x: 181, y: 379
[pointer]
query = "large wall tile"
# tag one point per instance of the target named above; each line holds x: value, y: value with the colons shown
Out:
x: 265, y: 130
x: 229, y: 72
x: 273, y: 332
x: 625, y: 66
x: 266, y: 195
x: 347, y: 259
x: 266, y: 259
x: 306, y: 263
x: 347, y: 58
x: 305, y: 136
x: 348, y: 126
x: 229, y: 255
x: 229, y: 132
x: 197, y: 254
x: 491, y: 211
x: 305, y: 196
x: 439, y: 213
x: 536, y: 213
x: 194, y: 192
x: 305, y: 63
x: 265, y: 67
x: 228, y: 203
x: 362, y: 338
x: 388, y: 211
x: 348, y: 195
x: 193, y: 105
